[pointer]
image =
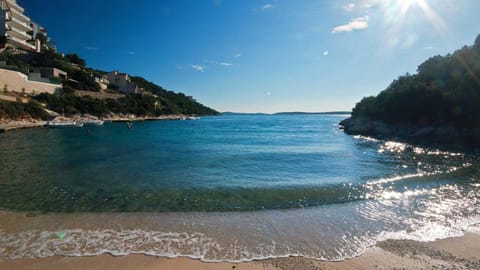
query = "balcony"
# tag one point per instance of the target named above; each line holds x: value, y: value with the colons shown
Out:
x: 14, y: 22
x: 20, y: 16
x: 20, y: 43
x: 13, y: 5
x: 15, y: 32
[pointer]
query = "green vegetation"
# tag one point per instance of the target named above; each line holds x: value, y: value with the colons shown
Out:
x: 171, y: 102
x: 75, y: 59
x: 445, y: 91
x: 17, y: 110
x: 82, y: 78
x: 141, y: 105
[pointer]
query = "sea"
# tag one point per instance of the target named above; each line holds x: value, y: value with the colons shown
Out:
x: 236, y: 187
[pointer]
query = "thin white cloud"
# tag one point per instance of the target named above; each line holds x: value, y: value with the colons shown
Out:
x: 237, y: 55
x: 198, y: 68
x: 223, y: 64
x: 349, y: 7
x: 268, y: 6
x: 91, y: 48
x: 428, y: 48
x: 325, y: 53
x: 359, y: 23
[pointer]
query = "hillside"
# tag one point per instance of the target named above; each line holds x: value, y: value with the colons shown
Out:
x: 153, y: 101
x: 440, y: 104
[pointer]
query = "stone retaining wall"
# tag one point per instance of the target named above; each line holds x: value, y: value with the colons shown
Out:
x: 18, y: 82
x: 98, y: 95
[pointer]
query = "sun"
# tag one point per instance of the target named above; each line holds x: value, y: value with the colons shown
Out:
x: 396, y: 11
x: 408, y: 3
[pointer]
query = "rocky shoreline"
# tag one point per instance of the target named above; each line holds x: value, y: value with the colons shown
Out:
x: 444, y: 136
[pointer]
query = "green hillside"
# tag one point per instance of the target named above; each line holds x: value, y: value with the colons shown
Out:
x: 445, y: 91
x: 162, y: 102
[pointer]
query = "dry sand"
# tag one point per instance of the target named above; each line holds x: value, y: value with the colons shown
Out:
x: 453, y: 253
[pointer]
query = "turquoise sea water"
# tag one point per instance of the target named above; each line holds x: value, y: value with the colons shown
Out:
x: 296, y: 183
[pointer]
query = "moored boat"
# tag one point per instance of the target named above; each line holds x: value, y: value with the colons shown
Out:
x: 64, y: 124
x: 92, y: 122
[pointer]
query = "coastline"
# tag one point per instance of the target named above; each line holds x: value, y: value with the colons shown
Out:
x: 451, y: 253
x: 20, y: 124
x: 10, y: 125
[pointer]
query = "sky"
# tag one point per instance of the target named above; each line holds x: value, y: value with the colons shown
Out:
x: 261, y: 55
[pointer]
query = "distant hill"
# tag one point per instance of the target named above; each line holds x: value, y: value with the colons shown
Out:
x: 333, y: 112
x: 287, y: 113
x: 441, y: 103
x: 236, y: 113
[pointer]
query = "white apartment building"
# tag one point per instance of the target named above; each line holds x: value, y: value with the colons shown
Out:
x: 15, y: 27
x: 123, y: 82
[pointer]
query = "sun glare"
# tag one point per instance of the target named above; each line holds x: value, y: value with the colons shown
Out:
x: 402, y: 8
x: 399, y: 14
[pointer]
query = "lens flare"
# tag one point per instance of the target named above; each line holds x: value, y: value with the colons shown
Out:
x: 401, y: 18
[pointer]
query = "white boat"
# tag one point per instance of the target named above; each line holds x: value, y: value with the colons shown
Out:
x: 64, y: 124
x: 92, y: 122
x: 193, y: 118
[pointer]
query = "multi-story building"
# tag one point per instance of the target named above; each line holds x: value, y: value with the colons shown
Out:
x: 123, y: 82
x: 15, y: 27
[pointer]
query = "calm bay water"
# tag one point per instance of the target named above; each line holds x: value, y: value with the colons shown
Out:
x: 235, y: 187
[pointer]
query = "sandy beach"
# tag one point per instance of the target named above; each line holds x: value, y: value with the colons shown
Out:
x: 452, y: 253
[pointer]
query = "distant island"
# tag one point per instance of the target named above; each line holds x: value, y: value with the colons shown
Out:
x: 439, y: 105
x: 287, y: 113
x: 333, y: 112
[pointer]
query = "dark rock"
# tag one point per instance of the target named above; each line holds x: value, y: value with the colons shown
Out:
x: 380, y: 128
x: 450, y: 137
x: 358, y: 126
x: 424, y: 132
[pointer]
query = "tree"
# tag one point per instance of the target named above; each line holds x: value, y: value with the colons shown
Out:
x: 444, y: 92
x: 75, y: 59
x: 41, y: 37
x: 43, y: 40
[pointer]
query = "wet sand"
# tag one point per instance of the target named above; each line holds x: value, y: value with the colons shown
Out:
x: 452, y: 253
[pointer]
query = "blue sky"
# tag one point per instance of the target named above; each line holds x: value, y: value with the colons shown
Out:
x: 261, y: 56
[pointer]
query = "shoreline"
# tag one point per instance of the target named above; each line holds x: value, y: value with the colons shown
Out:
x: 450, y: 253
x: 438, y: 136
x: 456, y: 252
x: 10, y: 125
x: 14, y: 125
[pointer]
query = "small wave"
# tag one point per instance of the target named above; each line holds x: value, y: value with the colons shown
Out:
x: 396, y: 178
x: 431, y: 231
x: 365, y: 138
x: 40, y: 244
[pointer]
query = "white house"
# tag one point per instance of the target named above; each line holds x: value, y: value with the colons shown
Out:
x: 123, y: 82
